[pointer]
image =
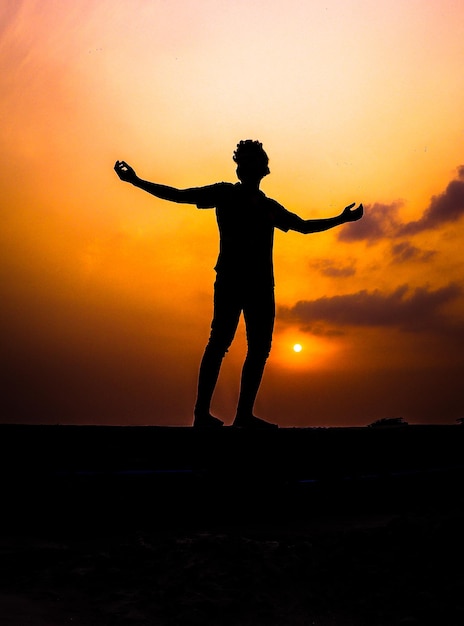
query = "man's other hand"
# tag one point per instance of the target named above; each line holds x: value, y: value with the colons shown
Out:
x: 125, y: 171
x: 352, y: 215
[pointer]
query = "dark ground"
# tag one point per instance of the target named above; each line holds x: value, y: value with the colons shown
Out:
x: 154, y: 526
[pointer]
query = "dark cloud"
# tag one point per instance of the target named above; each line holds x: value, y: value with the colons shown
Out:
x: 404, y: 251
x: 329, y: 268
x: 381, y: 220
x: 443, y: 209
x: 405, y: 309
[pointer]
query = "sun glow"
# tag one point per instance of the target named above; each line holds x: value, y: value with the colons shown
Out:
x: 309, y: 352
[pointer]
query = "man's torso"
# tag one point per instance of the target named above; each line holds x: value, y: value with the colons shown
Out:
x: 246, y: 222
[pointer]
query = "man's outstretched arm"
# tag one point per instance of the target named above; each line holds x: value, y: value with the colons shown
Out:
x: 128, y: 175
x: 316, y: 226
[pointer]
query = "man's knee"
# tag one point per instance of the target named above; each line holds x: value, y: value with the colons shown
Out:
x: 259, y: 350
x: 219, y: 343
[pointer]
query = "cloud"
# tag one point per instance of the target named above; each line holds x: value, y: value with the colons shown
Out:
x: 404, y: 251
x: 328, y: 268
x: 404, y: 309
x: 443, y: 209
x: 381, y: 220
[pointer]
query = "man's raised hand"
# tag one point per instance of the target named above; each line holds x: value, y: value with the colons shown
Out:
x: 352, y: 215
x: 125, y: 171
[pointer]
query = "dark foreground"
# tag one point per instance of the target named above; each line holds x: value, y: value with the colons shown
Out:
x: 334, y: 527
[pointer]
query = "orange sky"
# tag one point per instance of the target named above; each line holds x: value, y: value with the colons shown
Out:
x: 106, y: 291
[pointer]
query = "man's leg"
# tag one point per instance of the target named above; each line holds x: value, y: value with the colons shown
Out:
x: 227, y: 309
x: 259, y: 313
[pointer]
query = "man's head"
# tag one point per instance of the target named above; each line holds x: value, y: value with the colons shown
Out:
x: 252, y: 161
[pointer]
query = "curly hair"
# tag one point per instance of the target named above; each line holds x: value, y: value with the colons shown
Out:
x: 250, y: 149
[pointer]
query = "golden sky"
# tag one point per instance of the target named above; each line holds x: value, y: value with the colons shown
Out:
x: 107, y: 292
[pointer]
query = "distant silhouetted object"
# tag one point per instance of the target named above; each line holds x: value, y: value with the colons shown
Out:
x: 244, y: 270
x: 389, y: 422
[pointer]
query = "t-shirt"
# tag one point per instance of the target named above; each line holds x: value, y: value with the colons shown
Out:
x: 246, y: 223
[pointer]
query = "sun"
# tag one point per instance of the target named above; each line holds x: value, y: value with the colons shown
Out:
x: 295, y: 351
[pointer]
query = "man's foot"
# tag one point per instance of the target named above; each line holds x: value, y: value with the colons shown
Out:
x: 207, y: 421
x: 251, y: 421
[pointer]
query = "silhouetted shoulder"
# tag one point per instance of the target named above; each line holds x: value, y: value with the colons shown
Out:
x: 212, y: 195
x: 282, y: 218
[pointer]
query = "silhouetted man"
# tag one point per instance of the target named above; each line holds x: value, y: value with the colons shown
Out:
x: 244, y: 271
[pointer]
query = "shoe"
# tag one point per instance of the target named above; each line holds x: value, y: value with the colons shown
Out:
x: 253, y: 422
x: 207, y: 421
